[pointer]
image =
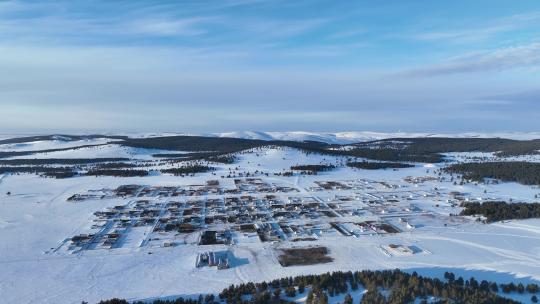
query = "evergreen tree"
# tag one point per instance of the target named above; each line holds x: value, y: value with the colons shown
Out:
x: 348, y: 299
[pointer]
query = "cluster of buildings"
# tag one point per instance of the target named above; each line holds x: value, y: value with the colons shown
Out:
x: 253, y: 208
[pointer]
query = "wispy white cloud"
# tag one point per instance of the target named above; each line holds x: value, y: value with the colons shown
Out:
x: 68, y: 29
x: 348, y: 33
x: 169, y: 27
x: 274, y: 28
x: 478, y: 32
x: 522, y: 56
x: 28, y: 23
x: 464, y: 35
x: 8, y: 7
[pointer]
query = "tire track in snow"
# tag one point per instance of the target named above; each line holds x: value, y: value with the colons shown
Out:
x: 508, y: 254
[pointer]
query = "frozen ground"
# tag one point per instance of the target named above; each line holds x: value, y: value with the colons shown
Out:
x: 36, y: 219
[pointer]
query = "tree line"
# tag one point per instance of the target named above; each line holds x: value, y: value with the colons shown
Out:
x: 188, y: 169
x: 378, y: 165
x: 117, y: 172
x: 313, y: 169
x: 495, y: 211
x: 399, y: 287
x: 526, y: 173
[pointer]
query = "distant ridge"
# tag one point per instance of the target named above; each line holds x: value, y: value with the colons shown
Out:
x: 327, y: 137
x: 362, y: 136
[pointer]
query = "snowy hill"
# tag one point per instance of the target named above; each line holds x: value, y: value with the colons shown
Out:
x: 347, y: 137
x: 361, y: 136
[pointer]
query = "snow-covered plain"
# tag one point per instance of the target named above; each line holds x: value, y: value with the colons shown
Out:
x: 36, y: 219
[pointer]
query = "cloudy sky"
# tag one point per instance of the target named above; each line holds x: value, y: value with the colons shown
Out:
x: 231, y: 65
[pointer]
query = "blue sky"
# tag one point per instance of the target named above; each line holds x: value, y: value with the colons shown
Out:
x: 210, y: 66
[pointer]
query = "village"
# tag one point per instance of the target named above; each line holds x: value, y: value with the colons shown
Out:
x: 255, y: 210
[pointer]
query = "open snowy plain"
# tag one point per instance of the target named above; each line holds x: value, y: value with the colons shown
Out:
x: 38, y: 220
